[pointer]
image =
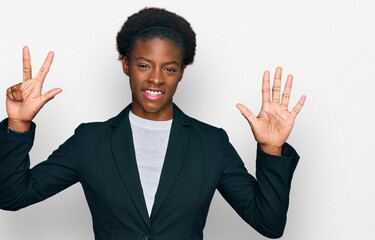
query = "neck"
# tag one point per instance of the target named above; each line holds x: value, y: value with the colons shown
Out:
x: 164, y: 114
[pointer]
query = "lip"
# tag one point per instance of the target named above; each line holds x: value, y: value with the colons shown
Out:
x: 151, y: 97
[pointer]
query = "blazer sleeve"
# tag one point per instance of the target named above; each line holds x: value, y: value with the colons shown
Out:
x: 21, y: 186
x: 261, y: 202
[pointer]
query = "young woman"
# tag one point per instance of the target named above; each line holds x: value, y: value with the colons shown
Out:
x: 151, y: 171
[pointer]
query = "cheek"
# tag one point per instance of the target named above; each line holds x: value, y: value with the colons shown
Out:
x: 173, y: 88
x: 134, y: 81
x: 134, y: 86
x: 131, y: 83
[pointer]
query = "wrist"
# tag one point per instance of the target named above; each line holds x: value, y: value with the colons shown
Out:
x: 18, y: 125
x: 272, y: 150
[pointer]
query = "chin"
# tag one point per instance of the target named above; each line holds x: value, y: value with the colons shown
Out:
x: 152, y: 109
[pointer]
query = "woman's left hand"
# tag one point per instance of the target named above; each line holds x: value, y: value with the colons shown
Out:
x: 274, y: 123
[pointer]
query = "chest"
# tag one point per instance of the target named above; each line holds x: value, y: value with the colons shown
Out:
x: 114, y: 184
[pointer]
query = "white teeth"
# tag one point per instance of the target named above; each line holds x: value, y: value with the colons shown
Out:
x: 153, y: 93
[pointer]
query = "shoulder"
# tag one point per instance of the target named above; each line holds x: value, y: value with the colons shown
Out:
x: 104, y: 126
x: 92, y: 131
x: 93, y: 127
x: 199, y: 125
x: 207, y: 131
x: 201, y: 129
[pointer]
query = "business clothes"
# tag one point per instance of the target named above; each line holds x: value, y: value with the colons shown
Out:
x: 198, y: 161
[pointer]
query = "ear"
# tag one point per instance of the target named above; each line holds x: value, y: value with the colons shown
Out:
x: 125, y: 65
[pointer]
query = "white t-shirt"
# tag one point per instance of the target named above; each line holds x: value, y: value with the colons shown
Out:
x: 150, y: 145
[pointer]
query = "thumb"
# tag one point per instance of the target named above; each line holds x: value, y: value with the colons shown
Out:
x: 250, y: 117
x: 50, y: 94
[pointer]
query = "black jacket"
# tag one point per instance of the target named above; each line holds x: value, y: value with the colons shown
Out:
x: 198, y: 161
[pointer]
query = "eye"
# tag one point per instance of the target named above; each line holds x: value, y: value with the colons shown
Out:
x: 142, y: 66
x: 170, y: 70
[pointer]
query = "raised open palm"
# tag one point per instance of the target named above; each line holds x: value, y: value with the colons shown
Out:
x: 274, y: 123
x: 25, y: 99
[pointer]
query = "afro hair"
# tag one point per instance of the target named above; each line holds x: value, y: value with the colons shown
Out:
x: 149, y: 23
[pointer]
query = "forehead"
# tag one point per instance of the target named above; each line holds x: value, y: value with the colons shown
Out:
x: 156, y: 49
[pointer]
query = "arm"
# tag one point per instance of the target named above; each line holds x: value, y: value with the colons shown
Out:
x: 261, y: 202
x: 21, y: 186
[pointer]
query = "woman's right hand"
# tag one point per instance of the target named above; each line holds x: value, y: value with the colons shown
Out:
x: 24, y: 100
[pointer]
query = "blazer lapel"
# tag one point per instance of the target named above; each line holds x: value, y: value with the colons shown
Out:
x: 123, y: 151
x: 176, y: 152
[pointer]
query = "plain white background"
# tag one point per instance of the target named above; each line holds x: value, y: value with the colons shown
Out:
x: 327, y: 45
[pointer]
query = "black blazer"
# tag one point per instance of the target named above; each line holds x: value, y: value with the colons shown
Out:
x: 198, y: 161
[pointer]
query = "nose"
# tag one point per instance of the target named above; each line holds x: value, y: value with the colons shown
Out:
x: 156, y: 76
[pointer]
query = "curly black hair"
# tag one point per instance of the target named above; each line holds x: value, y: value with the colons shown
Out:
x: 150, y: 23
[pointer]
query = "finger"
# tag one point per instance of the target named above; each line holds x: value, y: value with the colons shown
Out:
x: 247, y: 114
x: 298, y: 106
x: 15, y: 98
x: 9, y: 94
x: 26, y: 64
x: 50, y: 94
x: 276, y: 85
x: 16, y: 92
x: 287, y: 90
x: 45, y: 68
x: 266, y: 87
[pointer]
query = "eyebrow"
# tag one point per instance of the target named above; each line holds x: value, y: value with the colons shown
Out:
x: 148, y: 60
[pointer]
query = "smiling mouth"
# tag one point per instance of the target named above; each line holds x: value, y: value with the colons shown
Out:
x: 153, y: 93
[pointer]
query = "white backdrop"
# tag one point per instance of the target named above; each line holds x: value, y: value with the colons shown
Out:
x: 327, y: 45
